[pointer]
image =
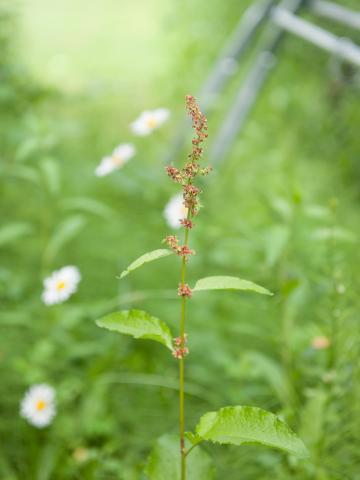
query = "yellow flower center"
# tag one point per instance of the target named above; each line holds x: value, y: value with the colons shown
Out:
x: 151, y: 122
x: 117, y: 160
x: 60, y: 285
x: 40, y: 405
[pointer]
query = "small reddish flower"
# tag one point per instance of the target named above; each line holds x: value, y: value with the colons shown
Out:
x: 186, y: 223
x: 175, y: 174
x: 205, y: 171
x: 184, y: 290
x: 180, y: 352
x: 184, y: 250
x: 171, y: 241
x: 191, y: 190
x: 180, y: 341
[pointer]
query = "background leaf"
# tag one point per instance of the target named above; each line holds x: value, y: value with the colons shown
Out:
x: 138, y: 324
x: 228, y: 283
x: 164, y: 462
x: 66, y: 231
x: 146, y: 258
x: 51, y: 174
x: 89, y: 205
x: 14, y: 231
x: 249, y: 425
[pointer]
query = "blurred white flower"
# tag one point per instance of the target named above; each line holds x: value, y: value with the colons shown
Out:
x: 116, y: 160
x: 61, y: 285
x: 38, y: 405
x: 149, y: 120
x: 175, y: 211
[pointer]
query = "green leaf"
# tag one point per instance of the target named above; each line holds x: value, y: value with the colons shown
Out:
x: 89, y: 205
x: 249, y: 425
x: 147, y: 257
x: 14, y: 231
x: 312, y: 419
x: 228, y: 283
x: 51, y: 174
x: 164, y: 462
x: 335, y: 233
x: 66, y: 231
x: 138, y: 324
x: 24, y: 172
x: 277, y: 238
x: 271, y: 372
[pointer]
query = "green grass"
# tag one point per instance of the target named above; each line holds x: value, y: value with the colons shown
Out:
x: 269, y: 216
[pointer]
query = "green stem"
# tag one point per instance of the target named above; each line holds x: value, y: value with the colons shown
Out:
x: 182, y: 368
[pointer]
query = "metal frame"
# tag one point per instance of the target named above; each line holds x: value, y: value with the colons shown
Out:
x: 276, y: 20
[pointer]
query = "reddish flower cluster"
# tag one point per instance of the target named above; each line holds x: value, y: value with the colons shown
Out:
x: 183, y: 250
x: 186, y: 223
x: 179, y: 341
x: 175, y: 174
x: 180, y: 352
x: 180, y: 348
x: 184, y: 290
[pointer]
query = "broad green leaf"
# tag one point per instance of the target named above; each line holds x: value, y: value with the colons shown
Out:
x: 147, y: 257
x: 249, y: 425
x: 14, y: 231
x: 164, y: 462
x: 228, y: 283
x: 138, y: 324
x: 66, y: 231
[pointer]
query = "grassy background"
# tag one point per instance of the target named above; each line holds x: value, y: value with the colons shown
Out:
x: 283, y: 210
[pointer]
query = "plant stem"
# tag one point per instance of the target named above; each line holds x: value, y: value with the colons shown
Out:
x: 182, y: 368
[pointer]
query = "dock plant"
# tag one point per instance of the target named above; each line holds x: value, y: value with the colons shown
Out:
x: 181, y: 457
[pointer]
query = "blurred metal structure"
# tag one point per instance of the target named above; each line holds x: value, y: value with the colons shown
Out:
x: 336, y: 12
x: 276, y: 20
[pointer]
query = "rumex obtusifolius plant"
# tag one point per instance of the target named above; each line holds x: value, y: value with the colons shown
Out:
x: 235, y: 425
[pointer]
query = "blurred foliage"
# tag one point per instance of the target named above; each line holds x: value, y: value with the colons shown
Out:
x: 283, y: 211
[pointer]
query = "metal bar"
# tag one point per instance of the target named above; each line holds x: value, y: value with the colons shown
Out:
x: 336, y: 12
x: 342, y: 47
x: 250, y: 88
x: 225, y: 65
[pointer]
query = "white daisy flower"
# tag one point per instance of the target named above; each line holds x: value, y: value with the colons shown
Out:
x: 61, y: 285
x: 149, y: 120
x: 116, y: 160
x: 175, y: 211
x: 38, y: 405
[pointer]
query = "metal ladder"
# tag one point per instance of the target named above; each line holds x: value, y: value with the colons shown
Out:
x: 275, y: 20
